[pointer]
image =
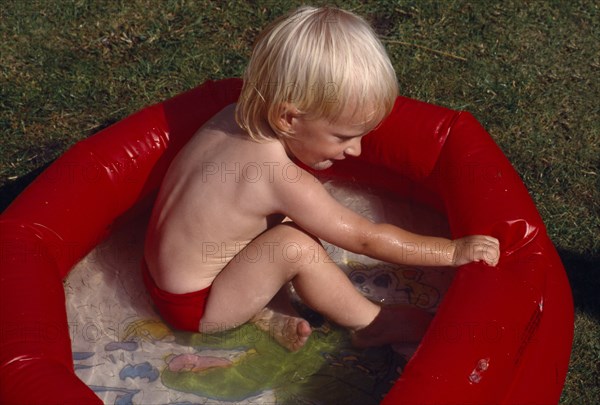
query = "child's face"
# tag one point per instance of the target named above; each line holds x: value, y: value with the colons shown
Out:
x: 318, y: 143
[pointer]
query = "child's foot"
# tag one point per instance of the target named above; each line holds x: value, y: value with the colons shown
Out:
x: 291, y: 332
x: 395, y: 324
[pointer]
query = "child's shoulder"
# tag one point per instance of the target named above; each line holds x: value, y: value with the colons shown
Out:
x: 222, y: 137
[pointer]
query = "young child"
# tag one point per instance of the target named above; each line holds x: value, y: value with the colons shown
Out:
x: 236, y: 218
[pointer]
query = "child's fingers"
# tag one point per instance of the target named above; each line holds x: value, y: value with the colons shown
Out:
x: 485, y: 248
x: 490, y: 251
x: 476, y: 248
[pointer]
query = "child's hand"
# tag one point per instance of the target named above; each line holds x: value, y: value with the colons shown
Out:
x: 476, y: 248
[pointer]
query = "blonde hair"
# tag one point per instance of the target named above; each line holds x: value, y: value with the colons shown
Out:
x: 321, y: 61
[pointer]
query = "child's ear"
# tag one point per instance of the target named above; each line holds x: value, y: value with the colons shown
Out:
x: 287, y: 113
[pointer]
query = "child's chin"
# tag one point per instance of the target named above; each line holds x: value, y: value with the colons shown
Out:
x: 322, y: 165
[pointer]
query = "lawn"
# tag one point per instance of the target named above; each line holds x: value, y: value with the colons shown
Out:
x: 528, y: 71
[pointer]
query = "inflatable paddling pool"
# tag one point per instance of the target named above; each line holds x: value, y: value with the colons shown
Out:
x: 501, y: 335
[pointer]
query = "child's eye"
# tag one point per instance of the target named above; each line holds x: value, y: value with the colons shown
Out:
x: 341, y: 138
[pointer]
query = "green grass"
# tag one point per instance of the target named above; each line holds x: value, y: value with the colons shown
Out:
x: 527, y: 70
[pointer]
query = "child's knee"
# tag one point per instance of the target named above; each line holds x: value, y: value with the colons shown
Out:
x: 298, y: 246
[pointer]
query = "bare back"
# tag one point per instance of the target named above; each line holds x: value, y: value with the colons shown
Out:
x: 215, y: 198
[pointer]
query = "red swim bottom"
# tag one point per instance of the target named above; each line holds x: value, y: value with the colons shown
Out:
x: 182, y: 311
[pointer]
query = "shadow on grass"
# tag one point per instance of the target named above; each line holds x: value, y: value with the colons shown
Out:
x: 10, y: 190
x: 584, y: 278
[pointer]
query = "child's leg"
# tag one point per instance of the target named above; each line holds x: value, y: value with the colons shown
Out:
x: 286, y: 253
x: 281, y: 254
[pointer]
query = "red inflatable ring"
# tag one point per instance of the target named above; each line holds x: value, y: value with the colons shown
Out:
x: 501, y: 335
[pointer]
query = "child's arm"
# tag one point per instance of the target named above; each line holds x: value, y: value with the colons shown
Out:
x: 413, y: 249
x: 308, y: 204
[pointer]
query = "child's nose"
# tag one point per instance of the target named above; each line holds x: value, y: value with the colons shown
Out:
x: 354, y: 149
